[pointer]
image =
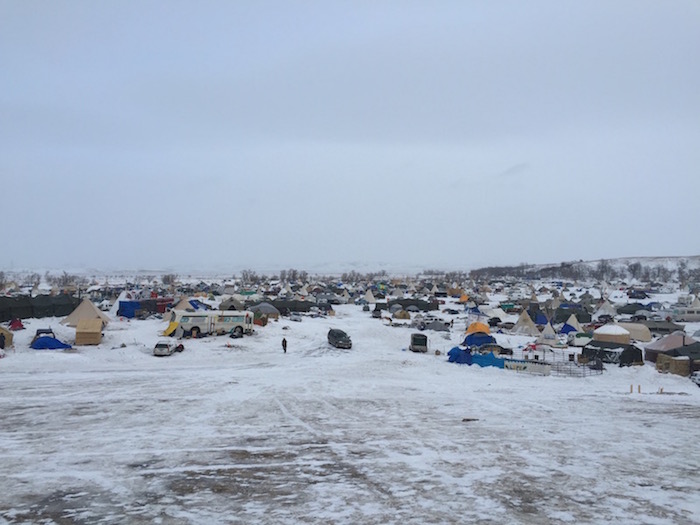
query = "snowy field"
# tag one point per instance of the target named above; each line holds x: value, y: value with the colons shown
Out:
x: 235, y: 431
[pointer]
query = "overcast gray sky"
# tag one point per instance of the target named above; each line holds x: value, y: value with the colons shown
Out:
x: 217, y: 134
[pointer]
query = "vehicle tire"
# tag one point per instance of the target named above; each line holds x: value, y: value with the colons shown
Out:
x: 195, y: 332
x: 238, y: 331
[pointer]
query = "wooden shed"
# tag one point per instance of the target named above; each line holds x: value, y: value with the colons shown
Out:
x: 673, y: 365
x: 8, y: 336
x: 88, y: 332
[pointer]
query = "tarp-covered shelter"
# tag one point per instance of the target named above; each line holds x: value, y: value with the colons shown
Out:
x: 266, y: 309
x: 614, y: 353
x: 465, y: 356
x: 128, y: 309
x: 632, y: 308
x: 88, y: 332
x: 230, y: 304
x: 667, y: 344
x: 661, y: 327
x: 48, y: 343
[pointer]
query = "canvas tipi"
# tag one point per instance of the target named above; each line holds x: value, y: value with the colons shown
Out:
x: 525, y: 325
x: 85, y: 310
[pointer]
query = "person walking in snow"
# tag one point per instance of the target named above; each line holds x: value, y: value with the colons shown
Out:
x: 284, y: 345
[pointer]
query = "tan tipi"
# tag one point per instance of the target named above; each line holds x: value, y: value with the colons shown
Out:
x: 525, y: 325
x: 573, y: 322
x: 183, y: 304
x: 85, y: 310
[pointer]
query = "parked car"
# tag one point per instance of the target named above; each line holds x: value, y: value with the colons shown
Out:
x: 165, y: 348
x: 339, y: 339
x: 295, y: 317
x: 695, y: 378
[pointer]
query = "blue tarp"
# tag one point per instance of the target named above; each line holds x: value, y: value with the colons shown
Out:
x: 48, y: 343
x: 459, y: 355
x: 128, y: 308
x: 465, y: 357
x: 540, y: 318
x: 478, y: 339
x: 199, y: 305
x: 487, y: 360
x: 567, y: 328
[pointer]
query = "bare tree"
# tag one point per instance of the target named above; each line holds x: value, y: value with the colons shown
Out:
x: 169, y: 279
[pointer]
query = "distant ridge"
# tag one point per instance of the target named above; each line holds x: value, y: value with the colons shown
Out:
x: 668, y: 268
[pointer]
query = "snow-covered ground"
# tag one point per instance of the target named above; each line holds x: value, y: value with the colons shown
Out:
x: 235, y: 431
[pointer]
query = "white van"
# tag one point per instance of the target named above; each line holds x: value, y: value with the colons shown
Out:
x: 686, y: 314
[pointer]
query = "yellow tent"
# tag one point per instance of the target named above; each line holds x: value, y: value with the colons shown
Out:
x: 478, y: 327
x: 464, y: 298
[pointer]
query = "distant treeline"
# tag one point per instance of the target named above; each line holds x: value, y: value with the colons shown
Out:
x: 603, y: 270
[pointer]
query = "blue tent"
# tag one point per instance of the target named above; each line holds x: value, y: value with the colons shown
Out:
x: 48, y: 343
x: 567, y: 328
x: 540, y: 318
x: 478, y: 339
